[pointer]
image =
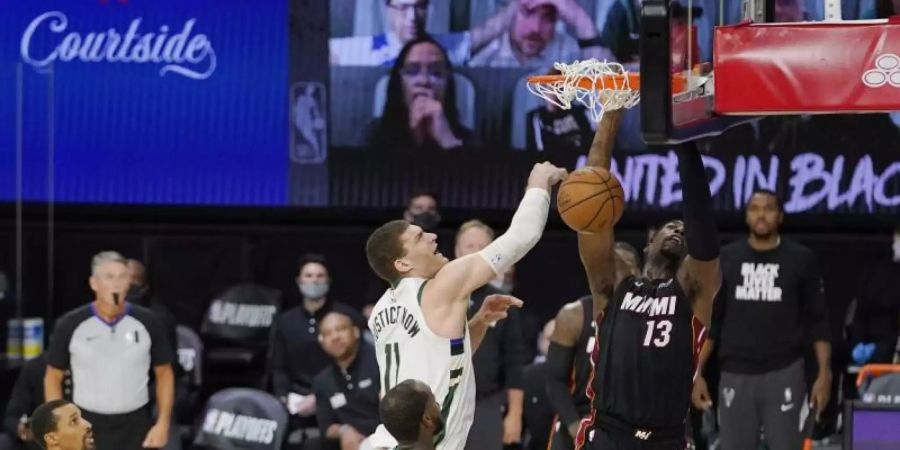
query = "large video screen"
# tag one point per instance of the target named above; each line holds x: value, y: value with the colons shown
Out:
x: 144, y: 101
x: 444, y: 83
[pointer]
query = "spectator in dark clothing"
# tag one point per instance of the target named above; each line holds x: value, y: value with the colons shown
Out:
x: 297, y: 357
x: 27, y: 394
x: 347, y: 390
x: 498, y: 361
x: 770, y: 307
x: 876, y: 324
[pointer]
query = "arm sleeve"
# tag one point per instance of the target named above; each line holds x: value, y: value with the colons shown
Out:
x: 58, y: 350
x: 523, y: 233
x: 325, y: 416
x: 513, y: 351
x: 559, y: 367
x: 280, y: 380
x: 19, y: 403
x: 700, y: 230
x: 812, y: 292
x: 160, y: 347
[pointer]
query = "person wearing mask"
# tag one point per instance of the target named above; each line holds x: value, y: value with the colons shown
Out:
x: 770, y: 308
x: 111, y: 347
x: 296, y: 355
x: 347, y: 390
x: 422, y: 210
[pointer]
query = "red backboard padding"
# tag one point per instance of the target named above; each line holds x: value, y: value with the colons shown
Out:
x: 813, y: 67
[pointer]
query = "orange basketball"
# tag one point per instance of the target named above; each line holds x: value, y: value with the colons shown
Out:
x: 590, y: 200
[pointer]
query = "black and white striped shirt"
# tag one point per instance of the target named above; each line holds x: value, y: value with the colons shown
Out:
x: 110, y: 361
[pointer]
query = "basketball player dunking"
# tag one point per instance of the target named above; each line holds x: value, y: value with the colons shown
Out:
x: 650, y: 327
x: 419, y: 324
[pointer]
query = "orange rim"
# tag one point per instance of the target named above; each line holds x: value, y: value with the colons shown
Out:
x: 634, y: 81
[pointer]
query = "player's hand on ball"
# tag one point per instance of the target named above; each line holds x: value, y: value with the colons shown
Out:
x: 496, y: 307
x: 545, y: 175
x: 700, y: 396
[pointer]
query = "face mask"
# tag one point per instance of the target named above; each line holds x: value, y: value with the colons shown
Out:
x: 314, y: 290
x: 428, y: 220
x: 897, y: 249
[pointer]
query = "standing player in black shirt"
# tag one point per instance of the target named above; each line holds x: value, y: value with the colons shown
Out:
x: 651, y: 327
x: 771, y: 307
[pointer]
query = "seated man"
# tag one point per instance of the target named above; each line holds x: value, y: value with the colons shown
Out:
x: 296, y: 355
x: 347, y: 390
x: 411, y: 414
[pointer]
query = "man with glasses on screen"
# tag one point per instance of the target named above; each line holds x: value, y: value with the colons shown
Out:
x: 406, y: 20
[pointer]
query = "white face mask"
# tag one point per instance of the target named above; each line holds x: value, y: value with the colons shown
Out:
x: 314, y: 291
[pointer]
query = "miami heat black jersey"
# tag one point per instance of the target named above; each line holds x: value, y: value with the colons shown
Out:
x: 584, y: 349
x: 648, y: 345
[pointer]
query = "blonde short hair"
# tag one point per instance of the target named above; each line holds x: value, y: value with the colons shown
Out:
x: 475, y: 223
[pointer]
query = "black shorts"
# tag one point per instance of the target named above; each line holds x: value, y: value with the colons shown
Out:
x: 602, y: 440
x: 120, y: 431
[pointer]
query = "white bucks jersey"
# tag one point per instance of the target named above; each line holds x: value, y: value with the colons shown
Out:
x: 408, y: 349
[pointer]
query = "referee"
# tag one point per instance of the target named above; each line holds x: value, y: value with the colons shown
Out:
x: 771, y: 306
x: 110, y: 346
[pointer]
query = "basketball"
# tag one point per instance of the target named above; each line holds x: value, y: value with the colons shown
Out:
x: 590, y: 199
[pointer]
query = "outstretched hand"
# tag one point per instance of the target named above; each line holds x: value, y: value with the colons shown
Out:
x: 496, y: 307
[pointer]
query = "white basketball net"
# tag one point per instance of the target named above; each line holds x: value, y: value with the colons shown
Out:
x: 607, y: 92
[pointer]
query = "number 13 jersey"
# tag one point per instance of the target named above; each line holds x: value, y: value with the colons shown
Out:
x: 407, y: 349
x: 649, y: 342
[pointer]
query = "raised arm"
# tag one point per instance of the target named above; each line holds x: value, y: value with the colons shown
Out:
x: 700, y: 273
x: 456, y: 280
x: 597, y: 250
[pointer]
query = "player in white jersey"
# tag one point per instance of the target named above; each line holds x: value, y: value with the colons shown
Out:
x: 419, y: 324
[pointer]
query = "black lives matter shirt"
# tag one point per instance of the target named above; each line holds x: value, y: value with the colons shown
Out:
x: 770, y: 308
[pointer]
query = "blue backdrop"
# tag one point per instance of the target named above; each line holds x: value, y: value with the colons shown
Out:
x: 154, y: 101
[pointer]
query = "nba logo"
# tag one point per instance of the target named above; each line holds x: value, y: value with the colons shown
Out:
x: 309, y: 143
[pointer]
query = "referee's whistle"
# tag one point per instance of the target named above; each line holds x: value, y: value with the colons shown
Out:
x: 116, y: 298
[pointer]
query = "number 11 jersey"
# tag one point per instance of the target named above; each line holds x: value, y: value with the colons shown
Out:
x: 407, y: 349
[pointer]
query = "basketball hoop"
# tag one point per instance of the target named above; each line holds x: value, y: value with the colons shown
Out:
x: 598, y: 85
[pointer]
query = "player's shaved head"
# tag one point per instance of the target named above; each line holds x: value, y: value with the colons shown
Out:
x: 406, y: 408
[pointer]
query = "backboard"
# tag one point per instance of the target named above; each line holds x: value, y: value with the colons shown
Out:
x: 672, y: 34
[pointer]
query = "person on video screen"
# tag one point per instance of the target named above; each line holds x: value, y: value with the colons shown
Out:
x: 420, y: 111
x: 532, y: 39
x: 406, y: 20
x: 565, y: 134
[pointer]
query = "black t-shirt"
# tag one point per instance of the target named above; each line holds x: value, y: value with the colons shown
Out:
x: 566, y: 131
x: 297, y: 356
x: 349, y: 397
x: 110, y: 361
x: 770, y: 307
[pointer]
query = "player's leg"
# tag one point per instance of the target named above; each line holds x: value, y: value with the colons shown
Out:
x: 486, y: 431
x: 784, y: 402
x: 738, y: 413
